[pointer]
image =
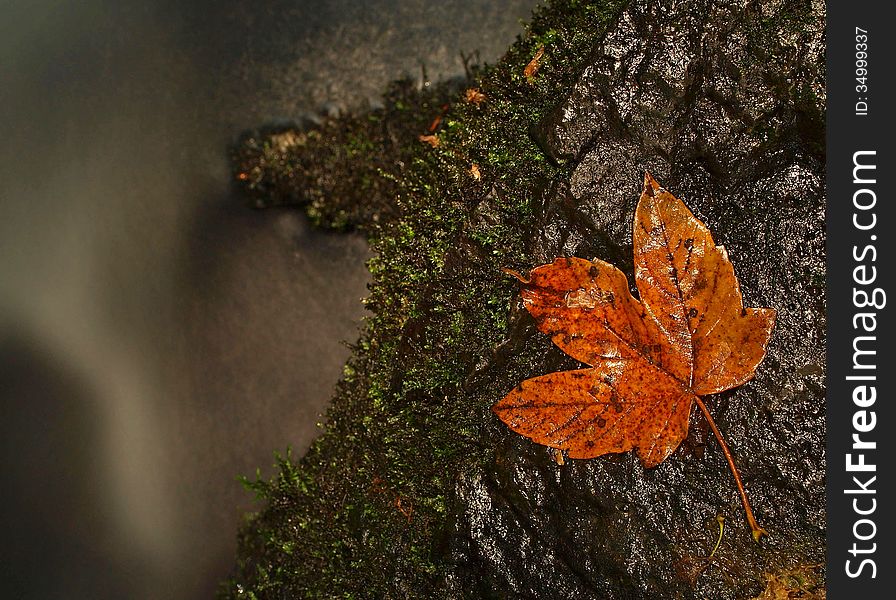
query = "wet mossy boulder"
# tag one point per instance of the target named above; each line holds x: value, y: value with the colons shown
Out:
x: 415, y: 489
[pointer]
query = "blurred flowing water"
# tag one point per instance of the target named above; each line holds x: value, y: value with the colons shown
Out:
x: 157, y: 339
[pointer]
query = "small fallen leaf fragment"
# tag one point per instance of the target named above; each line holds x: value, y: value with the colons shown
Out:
x: 432, y: 140
x: 803, y: 582
x: 474, y: 96
x: 474, y: 171
x: 557, y: 455
x: 438, y: 118
x: 650, y: 358
x: 534, y: 64
x: 406, y: 510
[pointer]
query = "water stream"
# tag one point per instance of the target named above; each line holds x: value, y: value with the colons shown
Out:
x: 157, y: 338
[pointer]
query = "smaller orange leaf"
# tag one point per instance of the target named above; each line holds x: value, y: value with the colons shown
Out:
x: 534, y: 64
x: 474, y: 96
x: 432, y: 140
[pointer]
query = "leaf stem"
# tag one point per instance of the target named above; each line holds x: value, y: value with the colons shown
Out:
x: 758, y: 531
x: 516, y: 274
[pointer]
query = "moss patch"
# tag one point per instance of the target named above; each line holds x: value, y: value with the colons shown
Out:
x: 365, y: 513
x: 362, y: 514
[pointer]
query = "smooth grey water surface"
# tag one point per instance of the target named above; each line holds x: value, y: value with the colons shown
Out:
x: 157, y: 339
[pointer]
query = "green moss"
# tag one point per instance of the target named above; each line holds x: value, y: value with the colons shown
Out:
x: 363, y: 513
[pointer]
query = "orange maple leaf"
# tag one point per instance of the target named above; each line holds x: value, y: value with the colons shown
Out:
x: 650, y: 359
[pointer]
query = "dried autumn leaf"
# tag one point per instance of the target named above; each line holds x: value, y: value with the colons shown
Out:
x: 474, y: 96
x: 432, y: 140
x: 534, y: 64
x: 651, y: 359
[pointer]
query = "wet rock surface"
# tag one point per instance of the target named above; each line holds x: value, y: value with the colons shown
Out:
x: 692, y: 95
x: 723, y: 103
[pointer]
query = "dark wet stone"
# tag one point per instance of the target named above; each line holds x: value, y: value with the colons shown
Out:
x: 702, y: 95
